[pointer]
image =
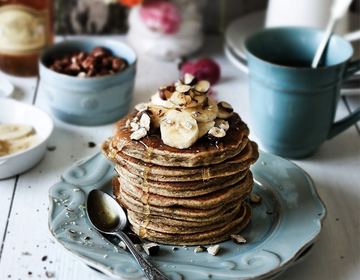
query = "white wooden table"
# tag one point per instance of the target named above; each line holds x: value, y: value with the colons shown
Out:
x: 28, y: 250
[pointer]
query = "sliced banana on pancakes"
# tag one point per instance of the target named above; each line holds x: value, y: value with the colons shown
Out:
x: 205, y: 112
x: 179, y: 129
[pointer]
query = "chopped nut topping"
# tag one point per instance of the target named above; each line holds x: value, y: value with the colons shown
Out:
x: 187, y: 125
x: 127, y: 124
x: 145, y: 121
x: 138, y: 134
x: 134, y: 126
x: 220, y: 123
x: 216, y: 132
x: 142, y: 107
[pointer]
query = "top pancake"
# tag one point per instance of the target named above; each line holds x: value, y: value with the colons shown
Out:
x: 151, y: 148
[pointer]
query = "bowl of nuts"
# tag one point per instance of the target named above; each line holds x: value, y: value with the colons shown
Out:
x: 88, y: 82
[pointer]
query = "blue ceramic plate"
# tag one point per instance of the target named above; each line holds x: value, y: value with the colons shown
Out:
x: 285, y: 224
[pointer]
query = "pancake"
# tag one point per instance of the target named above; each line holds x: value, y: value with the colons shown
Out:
x: 181, y: 213
x: 183, y: 164
x: 241, y: 162
x: 165, y: 221
x: 169, y: 226
x: 203, y: 238
x: 211, y: 200
x: 205, y: 151
x: 180, y: 189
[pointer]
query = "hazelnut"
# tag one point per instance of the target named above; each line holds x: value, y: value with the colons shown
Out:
x: 202, y: 86
x: 189, y: 79
x: 183, y: 88
x: 220, y: 123
x: 88, y: 63
x: 99, y: 52
x: 216, y: 133
x: 118, y: 64
x: 82, y: 56
x: 225, y: 110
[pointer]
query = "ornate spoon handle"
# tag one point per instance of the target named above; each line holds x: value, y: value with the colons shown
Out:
x: 150, y: 272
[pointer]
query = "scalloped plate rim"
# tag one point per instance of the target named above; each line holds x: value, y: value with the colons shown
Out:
x: 267, y: 275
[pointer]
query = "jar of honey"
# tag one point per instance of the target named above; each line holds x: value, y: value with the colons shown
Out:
x: 26, y: 29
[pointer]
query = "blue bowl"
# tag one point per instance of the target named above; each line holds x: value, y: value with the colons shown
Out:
x: 92, y: 100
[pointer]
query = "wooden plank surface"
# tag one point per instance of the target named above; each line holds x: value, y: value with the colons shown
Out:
x: 334, y: 169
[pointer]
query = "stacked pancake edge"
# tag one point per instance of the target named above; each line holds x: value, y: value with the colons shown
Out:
x: 194, y: 196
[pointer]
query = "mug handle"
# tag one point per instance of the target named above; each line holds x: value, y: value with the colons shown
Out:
x: 354, y: 117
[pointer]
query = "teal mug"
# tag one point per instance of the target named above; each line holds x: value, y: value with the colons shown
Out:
x: 293, y: 106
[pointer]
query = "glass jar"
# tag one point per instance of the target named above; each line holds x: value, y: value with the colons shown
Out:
x: 26, y: 29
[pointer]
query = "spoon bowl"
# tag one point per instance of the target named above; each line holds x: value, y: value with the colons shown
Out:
x: 108, y: 217
x: 105, y: 213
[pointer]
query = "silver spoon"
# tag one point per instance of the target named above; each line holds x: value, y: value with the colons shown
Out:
x: 107, y: 216
x: 338, y: 10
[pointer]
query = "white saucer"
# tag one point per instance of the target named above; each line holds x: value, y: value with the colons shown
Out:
x: 239, y: 29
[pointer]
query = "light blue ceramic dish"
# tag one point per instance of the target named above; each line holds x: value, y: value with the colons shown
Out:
x: 88, y: 101
x: 274, y: 241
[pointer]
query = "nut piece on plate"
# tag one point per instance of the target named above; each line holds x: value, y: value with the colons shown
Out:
x: 255, y: 198
x: 199, y: 249
x: 213, y: 250
x: 225, y: 110
x: 151, y: 248
x: 238, y: 239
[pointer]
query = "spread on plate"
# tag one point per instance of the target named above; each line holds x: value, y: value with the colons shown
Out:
x: 183, y: 166
x: 15, y: 138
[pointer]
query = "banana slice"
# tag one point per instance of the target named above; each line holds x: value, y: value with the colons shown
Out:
x: 179, y: 129
x: 158, y: 113
x: 197, y: 100
x: 19, y: 145
x: 157, y: 101
x: 205, y: 112
x: 204, y: 127
x: 14, y: 131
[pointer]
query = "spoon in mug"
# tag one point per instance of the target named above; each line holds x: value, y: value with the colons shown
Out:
x: 338, y: 10
x: 107, y: 216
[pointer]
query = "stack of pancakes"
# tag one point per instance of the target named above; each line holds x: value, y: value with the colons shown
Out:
x: 192, y: 196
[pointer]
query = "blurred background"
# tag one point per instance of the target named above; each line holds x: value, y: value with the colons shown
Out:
x: 110, y: 17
